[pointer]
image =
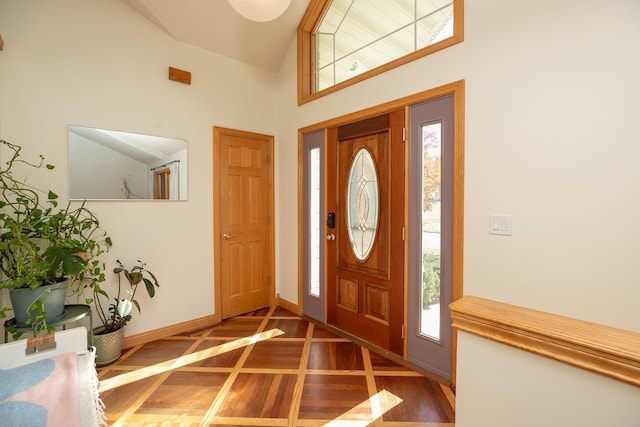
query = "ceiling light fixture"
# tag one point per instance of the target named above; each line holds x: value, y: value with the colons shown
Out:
x: 260, y: 10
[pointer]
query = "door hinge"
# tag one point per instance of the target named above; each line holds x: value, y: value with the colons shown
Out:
x: 403, y: 233
x: 404, y: 134
x: 268, y: 159
x: 268, y: 220
x: 403, y: 332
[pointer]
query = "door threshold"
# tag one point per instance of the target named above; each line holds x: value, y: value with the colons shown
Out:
x: 396, y: 358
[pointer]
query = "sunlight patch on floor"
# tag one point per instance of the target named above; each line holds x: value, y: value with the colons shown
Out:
x: 379, y: 404
x: 179, y: 362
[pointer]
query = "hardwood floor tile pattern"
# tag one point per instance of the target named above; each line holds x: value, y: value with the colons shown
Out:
x: 267, y: 368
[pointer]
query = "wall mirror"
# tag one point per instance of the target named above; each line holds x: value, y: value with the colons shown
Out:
x: 106, y: 165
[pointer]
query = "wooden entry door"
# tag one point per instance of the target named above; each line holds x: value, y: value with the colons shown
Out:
x: 365, y: 249
x: 243, y: 230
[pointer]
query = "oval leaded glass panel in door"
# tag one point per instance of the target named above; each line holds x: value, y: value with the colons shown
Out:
x: 362, y: 203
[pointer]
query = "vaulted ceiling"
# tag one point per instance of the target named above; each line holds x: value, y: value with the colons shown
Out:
x: 214, y: 25
x: 356, y: 35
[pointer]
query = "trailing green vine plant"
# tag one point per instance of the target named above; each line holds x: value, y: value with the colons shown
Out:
x: 42, y: 243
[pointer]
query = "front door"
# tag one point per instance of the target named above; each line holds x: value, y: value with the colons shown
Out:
x: 243, y: 230
x: 365, y: 229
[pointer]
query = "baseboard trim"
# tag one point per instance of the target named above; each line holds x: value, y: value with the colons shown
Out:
x: 191, y: 325
x: 179, y: 328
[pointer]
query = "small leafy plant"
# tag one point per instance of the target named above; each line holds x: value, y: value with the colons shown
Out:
x: 118, y: 310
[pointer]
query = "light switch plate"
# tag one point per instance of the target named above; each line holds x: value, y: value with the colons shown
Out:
x: 500, y: 224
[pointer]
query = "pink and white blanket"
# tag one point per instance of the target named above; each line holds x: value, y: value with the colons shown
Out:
x: 57, y: 391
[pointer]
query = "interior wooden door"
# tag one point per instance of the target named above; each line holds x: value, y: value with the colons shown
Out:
x: 243, y: 227
x: 161, y: 184
x: 365, y: 249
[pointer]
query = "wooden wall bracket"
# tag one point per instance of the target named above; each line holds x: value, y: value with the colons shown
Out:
x: 180, y: 76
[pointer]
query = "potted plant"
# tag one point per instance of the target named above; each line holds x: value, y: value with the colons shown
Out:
x: 116, y: 313
x: 44, y: 248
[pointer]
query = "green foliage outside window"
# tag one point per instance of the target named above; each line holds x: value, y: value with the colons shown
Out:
x: 430, y: 279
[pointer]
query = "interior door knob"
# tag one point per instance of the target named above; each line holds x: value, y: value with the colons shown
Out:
x: 331, y: 237
x: 227, y: 236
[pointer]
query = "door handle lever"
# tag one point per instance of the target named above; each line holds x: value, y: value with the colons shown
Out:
x: 228, y: 236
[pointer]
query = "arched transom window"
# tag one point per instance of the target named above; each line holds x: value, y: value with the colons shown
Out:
x: 345, y: 41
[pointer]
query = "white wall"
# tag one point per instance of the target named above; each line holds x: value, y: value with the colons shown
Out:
x: 503, y: 386
x: 552, y: 137
x: 99, y: 63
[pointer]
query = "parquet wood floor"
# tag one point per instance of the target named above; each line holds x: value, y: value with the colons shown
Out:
x: 269, y: 368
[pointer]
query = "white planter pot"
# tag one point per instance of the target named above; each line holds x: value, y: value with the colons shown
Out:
x: 108, y: 346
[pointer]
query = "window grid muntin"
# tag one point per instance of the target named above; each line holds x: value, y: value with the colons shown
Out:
x: 419, y: 15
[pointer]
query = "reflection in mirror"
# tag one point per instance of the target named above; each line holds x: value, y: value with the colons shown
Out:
x: 106, y: 164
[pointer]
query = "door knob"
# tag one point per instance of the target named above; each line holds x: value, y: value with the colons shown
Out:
x: 331, y: 237
x: 227, y: 236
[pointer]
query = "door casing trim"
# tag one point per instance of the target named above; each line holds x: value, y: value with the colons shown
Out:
x: 217, y: 284
x: 457, y: 89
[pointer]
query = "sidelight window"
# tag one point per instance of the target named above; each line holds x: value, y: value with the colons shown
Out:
x: 431, y: 135
x: 314, y: 222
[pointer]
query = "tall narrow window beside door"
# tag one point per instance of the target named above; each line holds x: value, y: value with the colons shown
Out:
x: 433, y: 209
x: 312, y: 286
x: 431, y: 135
x: 314, y: 222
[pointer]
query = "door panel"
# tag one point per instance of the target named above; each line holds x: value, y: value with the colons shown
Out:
x: 365, y: 287
x: 243, y: 233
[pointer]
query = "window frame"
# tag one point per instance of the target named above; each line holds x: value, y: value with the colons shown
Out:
x: 305, y: 51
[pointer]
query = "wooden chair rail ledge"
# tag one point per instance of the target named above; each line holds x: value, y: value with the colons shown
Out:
x: 597, y: 348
